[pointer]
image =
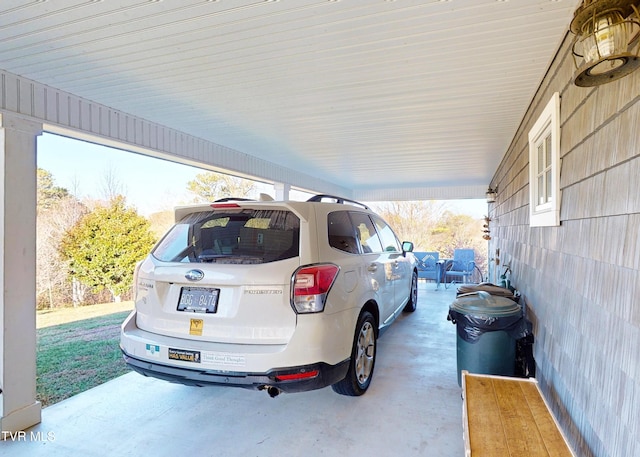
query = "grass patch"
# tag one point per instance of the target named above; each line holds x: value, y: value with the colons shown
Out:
x: 55, y: 316
x: 77, y: 356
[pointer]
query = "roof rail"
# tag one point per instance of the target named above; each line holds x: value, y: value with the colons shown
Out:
x: 320, y: 197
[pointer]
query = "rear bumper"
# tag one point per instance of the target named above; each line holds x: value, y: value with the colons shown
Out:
x: 326, y: 375
x: 304, y: 366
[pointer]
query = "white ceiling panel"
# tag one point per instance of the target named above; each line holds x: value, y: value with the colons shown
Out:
x: 391, y: 96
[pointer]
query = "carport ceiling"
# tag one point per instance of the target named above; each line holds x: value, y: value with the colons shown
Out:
x: 372, y: 95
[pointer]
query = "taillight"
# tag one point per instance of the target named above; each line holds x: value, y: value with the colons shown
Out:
x: 297, y: 376
x: 225, y: 206
x: 310, y: 287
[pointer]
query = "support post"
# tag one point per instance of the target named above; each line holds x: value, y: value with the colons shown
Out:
x: 282, y: 190
x: 18, y: 406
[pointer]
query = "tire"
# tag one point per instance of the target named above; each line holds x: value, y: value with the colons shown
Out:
x: 413, y: 295
x: 363, y: 358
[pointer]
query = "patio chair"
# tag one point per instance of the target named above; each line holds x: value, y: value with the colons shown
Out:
x: 428, y: 266
x: 461, y: 267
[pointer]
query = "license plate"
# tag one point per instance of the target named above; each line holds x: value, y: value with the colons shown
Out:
x: 198, y: 299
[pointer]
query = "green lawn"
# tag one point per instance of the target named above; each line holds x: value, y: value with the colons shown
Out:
x: 77, y: 356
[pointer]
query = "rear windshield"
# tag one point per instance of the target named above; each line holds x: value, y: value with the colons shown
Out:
x: 249, y: 236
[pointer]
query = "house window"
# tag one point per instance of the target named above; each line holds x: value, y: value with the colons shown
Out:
x: 544, y: 166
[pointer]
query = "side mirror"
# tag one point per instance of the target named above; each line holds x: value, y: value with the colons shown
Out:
x: 407, y: 246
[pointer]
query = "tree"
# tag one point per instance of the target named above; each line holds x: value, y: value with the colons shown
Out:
x: 161, y: 222
x: 48, y: 193
x: 431, y: 227
x: 104, y: 247
x: 209, y: 186
x: 51, y: 271
x: 412, y: 219
x: 111, y: 185
x: 58, y: 210
x: 454, y: 231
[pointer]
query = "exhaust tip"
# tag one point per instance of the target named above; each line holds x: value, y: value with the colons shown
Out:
x: 273, y: 391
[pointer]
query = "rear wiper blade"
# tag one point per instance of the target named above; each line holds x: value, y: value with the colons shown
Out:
x: 229, y: 258
x: 213, y: 257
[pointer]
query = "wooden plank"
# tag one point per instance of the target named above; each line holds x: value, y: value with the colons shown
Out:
x: 486, y: 434
x: 554, y: 441
x: 521, y: 429
x: 508, y: 417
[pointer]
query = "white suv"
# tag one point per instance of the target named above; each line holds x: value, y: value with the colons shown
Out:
x: 277, y: 296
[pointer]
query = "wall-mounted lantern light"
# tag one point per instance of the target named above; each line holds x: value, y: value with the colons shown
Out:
x: 606, y: 32
x: 491, y: 195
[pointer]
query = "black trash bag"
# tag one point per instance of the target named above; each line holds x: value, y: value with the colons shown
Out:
x: 471, y: 327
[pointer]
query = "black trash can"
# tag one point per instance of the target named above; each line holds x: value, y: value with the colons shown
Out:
x: 487, y: 329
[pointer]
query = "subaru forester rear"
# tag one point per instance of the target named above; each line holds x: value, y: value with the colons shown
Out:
x: 257, y: 295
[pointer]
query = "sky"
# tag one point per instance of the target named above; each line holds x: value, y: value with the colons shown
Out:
x: 83, y: 168
x: 149, y: 184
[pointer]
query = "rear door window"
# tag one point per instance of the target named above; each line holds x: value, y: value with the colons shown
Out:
x: 342, y: 234
x: 247, y: 236
x: 366, y: 232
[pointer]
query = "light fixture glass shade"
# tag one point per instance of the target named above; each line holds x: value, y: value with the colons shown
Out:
x: 606, y: 33
x: 491, y: 195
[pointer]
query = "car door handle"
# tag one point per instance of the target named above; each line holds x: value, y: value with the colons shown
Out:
x: 372, y: 268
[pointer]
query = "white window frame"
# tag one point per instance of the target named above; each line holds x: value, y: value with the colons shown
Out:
x: 546, y: 133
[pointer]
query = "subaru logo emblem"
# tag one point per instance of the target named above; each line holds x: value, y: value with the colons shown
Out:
x: 194, y: 275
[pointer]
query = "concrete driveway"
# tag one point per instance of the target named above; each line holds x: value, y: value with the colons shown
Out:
x: 413, y: 408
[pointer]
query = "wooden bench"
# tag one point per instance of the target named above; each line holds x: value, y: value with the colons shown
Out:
x: 508, y: 417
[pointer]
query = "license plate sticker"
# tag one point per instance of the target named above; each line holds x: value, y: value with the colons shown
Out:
x: 184, y: 355
x: 196, y: 326
x: 198, y: 299
x: 152, y: 350
x: 226, y: 360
